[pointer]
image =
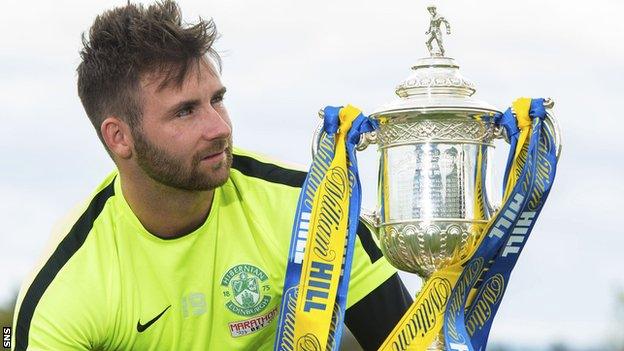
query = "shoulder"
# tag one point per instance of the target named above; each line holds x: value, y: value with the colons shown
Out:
x: 254, y: 167
x: 81, y: 218
x: 50, y: 299
x: 69, y: 234
x: 267, y: 191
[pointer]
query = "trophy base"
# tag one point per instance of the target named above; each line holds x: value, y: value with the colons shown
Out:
x: 437, y: 344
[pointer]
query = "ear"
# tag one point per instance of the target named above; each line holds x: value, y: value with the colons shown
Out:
x: 116, y: 135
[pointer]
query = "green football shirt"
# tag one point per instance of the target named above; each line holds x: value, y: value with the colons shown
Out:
x: 107, y: 283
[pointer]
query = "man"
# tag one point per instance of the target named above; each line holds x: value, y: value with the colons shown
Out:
x: 434, y: 31
x: 184, y: 246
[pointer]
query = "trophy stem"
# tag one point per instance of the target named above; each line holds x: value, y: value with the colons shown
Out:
x: 438, y: 342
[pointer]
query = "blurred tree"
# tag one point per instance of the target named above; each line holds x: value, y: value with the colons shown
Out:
x: 619, y: 320
x: 6, y: 312
x: 498, y: 347
x: 559, y: 346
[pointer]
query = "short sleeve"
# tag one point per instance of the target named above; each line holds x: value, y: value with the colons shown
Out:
x: 68, y: 314
x: 369, y: 268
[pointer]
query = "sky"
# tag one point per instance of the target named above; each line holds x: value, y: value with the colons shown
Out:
x: 284, y: 60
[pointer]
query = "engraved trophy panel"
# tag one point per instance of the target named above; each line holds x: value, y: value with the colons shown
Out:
x: 432, y: 181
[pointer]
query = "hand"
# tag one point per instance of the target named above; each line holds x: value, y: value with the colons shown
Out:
x: 448, y: 31
x: 427, y: 32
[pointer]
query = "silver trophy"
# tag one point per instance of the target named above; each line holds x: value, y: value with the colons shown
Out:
x: 434, y: 178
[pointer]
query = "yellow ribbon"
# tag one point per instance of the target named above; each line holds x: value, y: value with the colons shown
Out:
x: 520, y: 108
x: 324, y: 252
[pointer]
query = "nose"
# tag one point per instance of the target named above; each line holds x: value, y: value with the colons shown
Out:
x: 216, y: 124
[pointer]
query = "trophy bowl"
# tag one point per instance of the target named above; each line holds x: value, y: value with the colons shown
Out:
x: 434, y: 141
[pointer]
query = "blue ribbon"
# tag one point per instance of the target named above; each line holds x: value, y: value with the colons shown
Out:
x: 502, y: 243
x: 508, y: 121
x: 498, y: 275
x: 322, y: 159
x: 320, y: 163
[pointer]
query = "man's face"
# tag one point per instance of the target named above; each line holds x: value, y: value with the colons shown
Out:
x: 185, y: 136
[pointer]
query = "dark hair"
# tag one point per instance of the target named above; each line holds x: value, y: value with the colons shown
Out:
x: 127, y: 42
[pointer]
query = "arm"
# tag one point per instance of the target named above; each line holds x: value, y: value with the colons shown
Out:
x: 371, y: 319
x: 446, y: 24
x: 62, y: 318
x: 63, y: 305
x: 60, y: 307
x: 373, y: 316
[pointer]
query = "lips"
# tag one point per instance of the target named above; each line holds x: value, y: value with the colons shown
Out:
x: 214, y: 155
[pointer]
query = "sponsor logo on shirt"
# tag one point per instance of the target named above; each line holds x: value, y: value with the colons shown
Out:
x: 252, y: 325
x: 245, y: 288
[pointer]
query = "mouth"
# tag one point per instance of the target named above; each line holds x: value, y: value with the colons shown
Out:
x: 215, y: 156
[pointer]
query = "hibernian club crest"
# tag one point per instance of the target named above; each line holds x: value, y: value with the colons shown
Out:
x: 245, y: 287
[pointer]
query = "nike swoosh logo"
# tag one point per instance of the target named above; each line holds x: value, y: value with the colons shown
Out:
x: 141, y: 327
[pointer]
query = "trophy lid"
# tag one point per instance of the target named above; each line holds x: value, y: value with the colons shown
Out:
x: 435, y: 84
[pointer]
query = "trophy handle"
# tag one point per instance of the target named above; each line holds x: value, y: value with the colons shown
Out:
x: 365, y: 139
x: 316, y: 137
x: 553, y: 125
x: 371, y: 219
x: 368, y: 217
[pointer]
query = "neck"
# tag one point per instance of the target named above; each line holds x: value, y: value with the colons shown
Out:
x: 164, y: 211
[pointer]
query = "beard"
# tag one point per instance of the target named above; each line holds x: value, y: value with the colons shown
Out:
x: 172, y: 171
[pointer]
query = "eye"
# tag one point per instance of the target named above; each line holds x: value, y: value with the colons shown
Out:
x: 217, y: 99
x: 185, y: 111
